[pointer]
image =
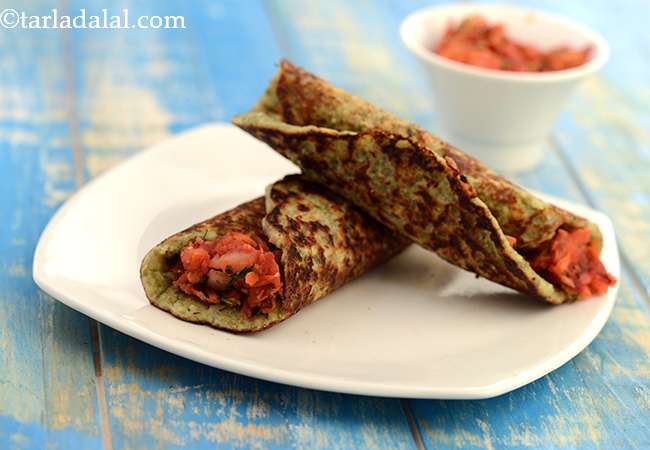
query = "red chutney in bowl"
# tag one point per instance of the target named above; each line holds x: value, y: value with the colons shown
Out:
x: 476, y: 42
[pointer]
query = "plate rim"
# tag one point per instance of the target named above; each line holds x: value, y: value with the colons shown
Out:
x: 305, y: 379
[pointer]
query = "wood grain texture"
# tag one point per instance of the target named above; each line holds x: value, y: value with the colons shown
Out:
x: 356, y: 46
x: 162, y: 401
x: 605, y: 131
x: 598, y: 400
x: 47, y: 388
x: 134, y: 89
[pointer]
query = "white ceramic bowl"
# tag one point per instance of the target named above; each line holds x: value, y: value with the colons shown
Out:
x: 500, y: 117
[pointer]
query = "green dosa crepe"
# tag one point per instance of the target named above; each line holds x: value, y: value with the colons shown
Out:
x: 318, y: 240
x: 427, y: 190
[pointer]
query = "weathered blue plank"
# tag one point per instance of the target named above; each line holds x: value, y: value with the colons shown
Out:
x: 47, y: 389
x: 15, y: 434
x: 159, y: 400
x: 237, y: 52
x: 605, y: 130
x: 356, y: 45
x: 136, y: 88
x: 349, y: 44
x: 597, y: 400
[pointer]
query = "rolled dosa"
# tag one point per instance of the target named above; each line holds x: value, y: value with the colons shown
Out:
x: 427, y: 190
x: 318, y: 240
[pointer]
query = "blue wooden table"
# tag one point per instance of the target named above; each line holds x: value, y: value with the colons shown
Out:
x: 75, y: 102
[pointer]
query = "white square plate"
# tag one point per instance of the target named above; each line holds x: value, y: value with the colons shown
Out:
x: 415, y: 327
